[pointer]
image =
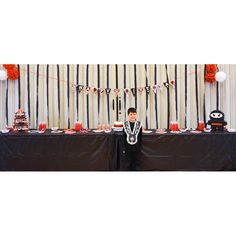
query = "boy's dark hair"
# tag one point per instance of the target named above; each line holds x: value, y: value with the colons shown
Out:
x: 131, y: 110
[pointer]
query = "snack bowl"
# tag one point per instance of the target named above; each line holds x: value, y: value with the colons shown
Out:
x: 207, y: 130
x: 183, y: 130
x: 5, y: 131
x: 54, y: 128
x: 146, y: 131
x: 231, y: 130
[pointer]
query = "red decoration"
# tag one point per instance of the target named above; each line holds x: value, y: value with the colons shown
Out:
x: 12, y: 71
x: 9, y: 66
x: 211, y: 70
x: 13, y: 74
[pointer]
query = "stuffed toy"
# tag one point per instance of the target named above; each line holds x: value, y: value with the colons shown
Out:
x: 217, y: 121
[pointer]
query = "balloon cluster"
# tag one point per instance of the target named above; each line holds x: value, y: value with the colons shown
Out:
x: 11, y: 72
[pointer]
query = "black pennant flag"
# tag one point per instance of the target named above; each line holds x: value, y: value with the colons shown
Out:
x: 147, y: 89
x: 80, y: 88
x: 166, y: 84
x: 108, y: 90
x: 133, y: 90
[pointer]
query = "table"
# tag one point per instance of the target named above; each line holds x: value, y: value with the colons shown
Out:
x: 99, y: 151
x: 32, y: 151
x: 185, y: 151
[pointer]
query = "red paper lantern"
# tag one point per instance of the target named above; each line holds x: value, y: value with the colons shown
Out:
x: 211, y: 70
x: 13, y: 74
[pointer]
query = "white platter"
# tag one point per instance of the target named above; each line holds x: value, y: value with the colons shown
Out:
x: 147, y: 131
x: 98, y: 131
x: 231, y: 130
x: 5, y: 131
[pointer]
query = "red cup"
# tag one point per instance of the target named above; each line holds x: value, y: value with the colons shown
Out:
x: 78, y: 125
x: 174, y: 126
x: 42, y: 126
x: 201, y: 125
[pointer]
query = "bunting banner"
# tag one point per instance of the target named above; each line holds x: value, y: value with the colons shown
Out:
x: 147, y: 88
x: 108, y: 91
x: 133, y: 90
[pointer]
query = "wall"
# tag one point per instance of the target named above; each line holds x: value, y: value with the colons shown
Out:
x: 45, y: 92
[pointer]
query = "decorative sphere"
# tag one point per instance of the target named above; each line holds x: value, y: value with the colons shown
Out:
x: 220, y: 76
x: 3, y: 75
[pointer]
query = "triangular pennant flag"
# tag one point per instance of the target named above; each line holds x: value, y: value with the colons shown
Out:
x: 80, y: 88
x: 108, y: 90
x: 117, y: 91
x: 101, y: 90
x: 172, y: 83
x: 133, y: 90
x: 160, y: 87
x: 154, y: 88
x: 126, y: 90
x: 94, y: 89
x: 166, y: 84
x: 87, y: 88
x: 140, y: 90
x: 147, y: 89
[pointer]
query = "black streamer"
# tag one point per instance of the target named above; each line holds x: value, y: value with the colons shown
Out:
x: 47, y: 81
x: 145, y: 66
x: 37, y: 94
x: 124, y: 88
x: 98, y: 67
x: 108, y: 95
x: 28, y: 88
x: 7, y: 103
x: 58, y: 92
x: 176, y: 93
x: 68, y: 93
x: 77, y: 92
x: 87, y: 97
x: 196, y: 85
x: 168, y: 98
x: 155, y: 79
x: 135, y: 84
x: 117, y: 99
x: 19, y: 94
x: 186, y: 77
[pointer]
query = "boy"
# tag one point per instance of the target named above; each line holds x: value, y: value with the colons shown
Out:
x: 133, y: 139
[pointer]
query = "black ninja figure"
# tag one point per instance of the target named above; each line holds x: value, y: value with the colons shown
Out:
x: 217, y: 120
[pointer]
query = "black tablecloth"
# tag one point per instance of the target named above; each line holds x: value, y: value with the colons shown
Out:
x: 30, y: 151
x: 185, y: 151
x: 92, y: 151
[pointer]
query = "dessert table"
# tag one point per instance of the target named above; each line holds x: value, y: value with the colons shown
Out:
x: 91, y: 151
x: 57, y: 151
x: 184, y: 152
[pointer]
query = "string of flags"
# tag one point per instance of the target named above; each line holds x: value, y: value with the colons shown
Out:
x: 127, y: 91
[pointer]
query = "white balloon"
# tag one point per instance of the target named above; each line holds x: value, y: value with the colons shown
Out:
x: 3, y: 75
x: 220, y: 76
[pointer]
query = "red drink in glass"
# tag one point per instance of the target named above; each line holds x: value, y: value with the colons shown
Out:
x: 42, y: 126
x: 201, y: 125
x: 78, y: 125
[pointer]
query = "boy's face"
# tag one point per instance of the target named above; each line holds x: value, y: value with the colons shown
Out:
x: 132, y: 116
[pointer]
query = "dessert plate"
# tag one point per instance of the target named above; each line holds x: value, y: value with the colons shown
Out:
x: 161, y: 131
x: 147, y: 131
x: 5, y: 131
x: 97, y: 130
x: 231, y: 130
x: 195, y: 131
